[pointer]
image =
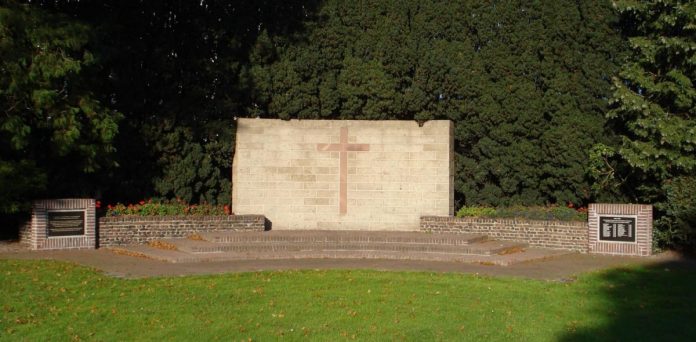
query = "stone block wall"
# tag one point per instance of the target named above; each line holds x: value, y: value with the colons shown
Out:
x: 563, y: 235
x: 124, y: 230
x: 343, y: 174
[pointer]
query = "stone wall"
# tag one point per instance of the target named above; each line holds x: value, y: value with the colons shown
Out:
x: 547, y: 234
x: 343, y: 174
x: 124, y: 230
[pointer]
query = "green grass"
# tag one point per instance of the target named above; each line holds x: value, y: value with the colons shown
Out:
x: 45, y: 300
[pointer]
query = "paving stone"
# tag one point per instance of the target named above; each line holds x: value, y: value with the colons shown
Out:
x: 343, y: 236
x: 228, y: 246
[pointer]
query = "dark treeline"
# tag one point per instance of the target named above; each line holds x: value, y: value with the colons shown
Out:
x: 527, y: 83
x: 152, y: 87
x: 172, y: 72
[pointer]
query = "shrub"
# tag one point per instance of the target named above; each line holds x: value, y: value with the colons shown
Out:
x: 677, y: 227
x: 530, y: 213
x: 476, y: 212
x: 167, y: 208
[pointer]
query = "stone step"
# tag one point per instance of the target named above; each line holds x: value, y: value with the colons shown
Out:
x: 342, y: 236
x: 175, y: 256
x: 481, y: 248
x: 228, y: 246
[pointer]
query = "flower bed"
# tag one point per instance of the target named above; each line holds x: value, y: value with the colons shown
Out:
x: 555, y: 213
x: 166, y: 208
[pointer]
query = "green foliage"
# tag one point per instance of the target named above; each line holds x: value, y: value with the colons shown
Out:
x: 193, y: 171
x: 476, y: 212
x: 678, y: 225
x: 51, y: 124
x: 527, y: 213
x: 167, y: 208
x: 525, y: 83
x: 654, y: 97
x: 654, y: 111
x: 19, y: 181
x: 177, y: 71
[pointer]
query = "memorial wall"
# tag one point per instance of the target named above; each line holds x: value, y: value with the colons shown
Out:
x: 354, y: 175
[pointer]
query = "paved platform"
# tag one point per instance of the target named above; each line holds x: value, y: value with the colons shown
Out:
x: 228, y: 246
x: 558, y: 267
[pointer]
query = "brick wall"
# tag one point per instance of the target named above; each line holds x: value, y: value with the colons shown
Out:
x: 26, y: 233
x: 343, y: 174
x: 548, y: 234
x: 123, y: 230
x: 34, y: 233
x: 643, y: 213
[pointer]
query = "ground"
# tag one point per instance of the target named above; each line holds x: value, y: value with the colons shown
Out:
x: 575, y: 297
x: 557, y: 268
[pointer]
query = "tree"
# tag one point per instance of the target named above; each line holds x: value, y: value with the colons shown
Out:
x: 53, y: 127
x: 654, y: 111
x: 525, y: 83
x: 176, y: 70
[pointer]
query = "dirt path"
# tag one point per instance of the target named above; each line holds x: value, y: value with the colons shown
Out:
x: 558, y: 268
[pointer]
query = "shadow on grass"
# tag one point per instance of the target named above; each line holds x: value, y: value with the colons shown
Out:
x: 655, y: 303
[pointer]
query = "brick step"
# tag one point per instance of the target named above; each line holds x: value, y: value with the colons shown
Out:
x: 329, y: 236
x: 481, y: 248
x: 175, y: 256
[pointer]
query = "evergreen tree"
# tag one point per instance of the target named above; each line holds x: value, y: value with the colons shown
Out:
x: 654, y: 111
x: 526, y: 83
x: 174, y: 70
x: 54, y: 129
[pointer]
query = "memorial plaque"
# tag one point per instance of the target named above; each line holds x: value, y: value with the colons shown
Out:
x: 617, y: 228
x: 66, y: 223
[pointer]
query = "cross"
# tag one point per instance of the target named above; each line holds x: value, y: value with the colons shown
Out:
x: 343, y: 147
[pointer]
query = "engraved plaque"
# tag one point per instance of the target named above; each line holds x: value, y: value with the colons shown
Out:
x: 617, y: 228
x: 66, y: 223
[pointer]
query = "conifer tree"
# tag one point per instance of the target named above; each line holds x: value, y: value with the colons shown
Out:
x: 525, y: 83
x: 654, y: 111
x: 53, y: 128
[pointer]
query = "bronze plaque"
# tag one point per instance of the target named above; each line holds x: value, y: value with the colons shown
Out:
x: 66, y: 223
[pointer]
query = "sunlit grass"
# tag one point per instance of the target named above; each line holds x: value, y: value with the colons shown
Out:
x: 44, y: 300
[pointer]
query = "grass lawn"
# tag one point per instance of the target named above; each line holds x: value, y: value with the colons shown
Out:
x: 45, y: 300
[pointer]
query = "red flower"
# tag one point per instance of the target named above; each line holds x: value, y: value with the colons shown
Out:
x: 141, y: 202
x: 98, y: 204
x: 227, y: 209
x: 110, y: 206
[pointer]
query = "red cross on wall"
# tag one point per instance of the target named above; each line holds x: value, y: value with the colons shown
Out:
x: 343, y: 147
